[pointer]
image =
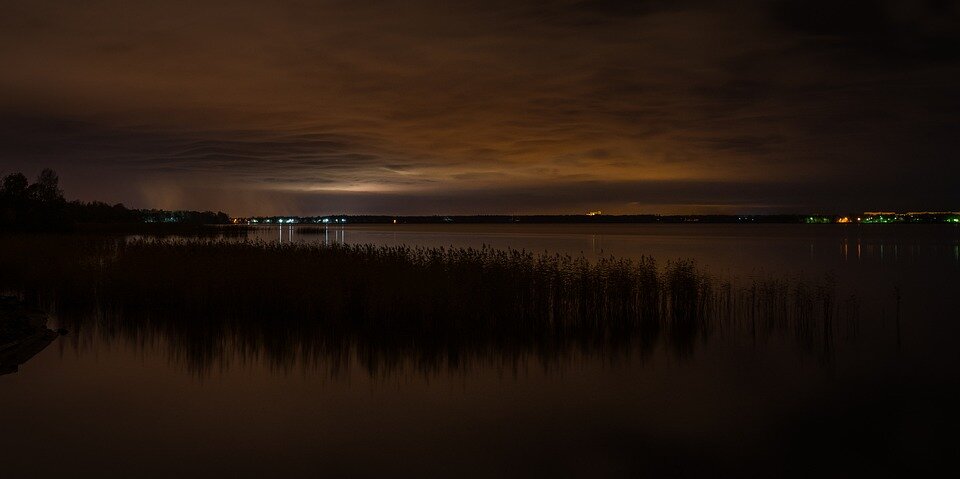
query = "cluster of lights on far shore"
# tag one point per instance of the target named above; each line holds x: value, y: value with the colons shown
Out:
x: 886, y: 217
x: 286, y: 221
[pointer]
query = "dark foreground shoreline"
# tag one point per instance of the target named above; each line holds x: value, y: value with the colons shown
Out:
x: 23, y: 334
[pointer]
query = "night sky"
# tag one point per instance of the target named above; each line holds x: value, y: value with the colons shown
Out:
x: 482, y: 107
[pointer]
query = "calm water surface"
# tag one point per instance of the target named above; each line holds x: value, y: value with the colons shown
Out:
x: 739, y: 248
x: 883, y: 402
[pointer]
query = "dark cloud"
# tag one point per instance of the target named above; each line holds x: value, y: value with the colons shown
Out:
x: 911, y: 31
x: 553, y: 105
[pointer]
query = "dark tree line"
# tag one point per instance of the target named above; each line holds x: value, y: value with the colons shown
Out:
x: 36, y: 206
x: 40, y: 206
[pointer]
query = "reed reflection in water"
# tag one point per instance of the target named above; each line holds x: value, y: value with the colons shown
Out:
x: 321, y: 306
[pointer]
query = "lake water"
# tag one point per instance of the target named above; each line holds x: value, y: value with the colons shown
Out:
x: 882, y: 403
x: 724, y: 248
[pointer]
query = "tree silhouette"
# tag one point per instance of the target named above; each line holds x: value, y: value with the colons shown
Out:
x: 37, y: 206
x: 41, y: 207
x: 47, y: 188
x: 14, y: 186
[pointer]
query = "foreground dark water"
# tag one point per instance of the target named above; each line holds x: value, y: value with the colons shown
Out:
x: 148, y: 396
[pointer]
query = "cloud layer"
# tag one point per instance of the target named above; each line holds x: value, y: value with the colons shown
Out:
x: 487, y: 107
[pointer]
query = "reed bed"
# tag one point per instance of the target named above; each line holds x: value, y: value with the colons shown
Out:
x: 390, y: 305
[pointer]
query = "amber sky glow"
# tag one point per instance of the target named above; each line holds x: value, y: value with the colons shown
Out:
x: 486, y: 107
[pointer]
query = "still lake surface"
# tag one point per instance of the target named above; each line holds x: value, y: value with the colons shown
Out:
x: 882, y: 402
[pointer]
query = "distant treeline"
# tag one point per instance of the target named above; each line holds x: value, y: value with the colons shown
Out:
x: 40, y: 206
x: 867, y: 218
x: 864, y: 218
x: 525, y: 219
x: 534, y: 219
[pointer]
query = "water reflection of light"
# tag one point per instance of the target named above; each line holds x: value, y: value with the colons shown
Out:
x: 339, y: 235
x: 596, y: 244
x: 290, y: 230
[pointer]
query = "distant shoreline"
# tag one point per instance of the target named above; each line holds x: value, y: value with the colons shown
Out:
x: 867, y: 218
